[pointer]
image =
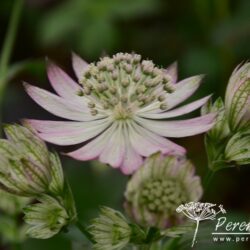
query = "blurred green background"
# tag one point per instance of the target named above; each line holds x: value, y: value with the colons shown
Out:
x: 204, y: 36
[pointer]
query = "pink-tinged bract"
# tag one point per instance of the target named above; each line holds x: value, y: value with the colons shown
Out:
x: 158, y: 187
x: 119, y: 110
x: 237, y: 99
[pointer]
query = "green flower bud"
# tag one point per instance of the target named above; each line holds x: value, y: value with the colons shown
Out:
x: 112, y: 231
x: 221, y: 128
x: 238, y: 148
x: 159, y: 186
x: 46, y: 218
x: 56, y: 185
x: 27, y: 168
x: 237, y: 99
x: 25, y: 164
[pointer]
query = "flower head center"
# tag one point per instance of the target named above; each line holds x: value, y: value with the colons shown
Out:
x: 122, y: 113
x: 162, y: 195
x: 122, y: 84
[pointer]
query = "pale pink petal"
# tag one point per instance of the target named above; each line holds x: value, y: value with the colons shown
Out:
x: 159, y: 143
x: 61, y: 82
x: 180, y: 128
x: 94, y: 148
x: 172, y: 70
x: 132, y: 160
x: 178, y: 111
x: 113, y: 153
x: 59, y: 106
x: 141, y: 143
x: 68, y: 133
x: 184, y: 89
x: 79, y: 65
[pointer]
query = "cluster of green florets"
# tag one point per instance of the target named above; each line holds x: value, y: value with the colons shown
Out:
x: 124, y: 84
x: 162, y: 195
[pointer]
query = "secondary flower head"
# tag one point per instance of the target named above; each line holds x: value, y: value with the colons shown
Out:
x: 121, y: 106
x: 158, y: 188
x: 45, y: 218
x: 237, y: 100
x: 110, y: 230
x: 27, y: 168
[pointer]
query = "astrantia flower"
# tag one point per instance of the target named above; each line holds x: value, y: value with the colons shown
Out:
x: 237, y: 100
x: 158, y: 188
x: 46, y: 218
x: 121, y: 107
x: 111, y: 230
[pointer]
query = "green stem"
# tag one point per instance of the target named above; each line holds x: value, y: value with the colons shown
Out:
x: 84, y: 231
x: 208, y: 178
x: 8, y: 48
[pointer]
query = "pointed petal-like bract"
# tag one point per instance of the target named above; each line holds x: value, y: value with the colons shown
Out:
x: 172, y: 71
x: 237, y: 99
x: 238, y: 148
x: 181, y: 128
x: 184, y: 89
x: 79, y: 66
x: 68, y: 133
x: 178, y: 111
x: 57, y: 105
x: 221, y: 128
x: 61, y: 82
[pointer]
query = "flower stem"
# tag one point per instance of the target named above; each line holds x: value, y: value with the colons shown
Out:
x: 8, y: 47
x: 84, y: 231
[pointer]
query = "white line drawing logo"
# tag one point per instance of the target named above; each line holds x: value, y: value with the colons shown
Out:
x: 199, y: 211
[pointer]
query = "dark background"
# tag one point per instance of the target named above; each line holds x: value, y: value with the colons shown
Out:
x: 204, y: 36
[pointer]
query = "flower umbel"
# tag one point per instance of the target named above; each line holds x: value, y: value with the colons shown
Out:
x: 121, y: 105
x: 158, y: 187
x: 199, y: 211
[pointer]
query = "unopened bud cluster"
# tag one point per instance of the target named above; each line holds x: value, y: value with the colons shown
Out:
x: 124, y: 83
x: 111, y: 230
x: 228, y: 143
x: 28, y: 169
